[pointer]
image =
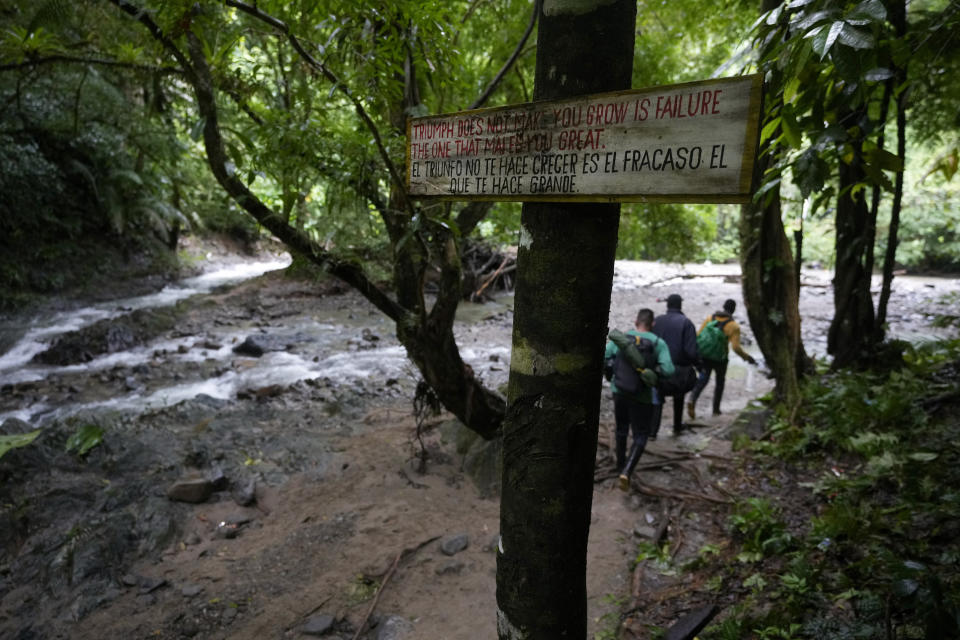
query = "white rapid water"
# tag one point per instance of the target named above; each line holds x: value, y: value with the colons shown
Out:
x: 15, y: 364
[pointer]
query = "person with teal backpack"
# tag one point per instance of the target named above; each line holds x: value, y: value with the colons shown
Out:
x: 717, y: 335
x: 634, y: 367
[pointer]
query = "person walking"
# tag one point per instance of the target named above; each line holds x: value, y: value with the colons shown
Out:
x: 714, y: 350
x: 634, y: 410
x: 678, y: 332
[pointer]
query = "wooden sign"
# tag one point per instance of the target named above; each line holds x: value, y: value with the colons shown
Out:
x: 693, y: 142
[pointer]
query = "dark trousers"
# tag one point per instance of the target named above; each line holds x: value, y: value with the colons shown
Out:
x: 708, y: 366
x: 677, y: 414
x: 634, y: 417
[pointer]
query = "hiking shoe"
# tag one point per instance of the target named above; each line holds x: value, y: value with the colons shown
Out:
x: 716, y: 412
x: 691, y: 411
x: 624, y: 482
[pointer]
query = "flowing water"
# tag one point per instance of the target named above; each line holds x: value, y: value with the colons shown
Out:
x: 328, y: 345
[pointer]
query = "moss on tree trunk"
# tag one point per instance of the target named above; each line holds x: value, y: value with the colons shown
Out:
x: 564, y: 275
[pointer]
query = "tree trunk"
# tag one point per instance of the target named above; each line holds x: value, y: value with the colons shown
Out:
x: 850, y: 338
x: 564, y: 276
x: 771, y: 284
x: 770, y: 290
x: 898, y: 17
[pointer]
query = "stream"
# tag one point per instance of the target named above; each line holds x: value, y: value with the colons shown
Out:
x: 350, y: 343
x: 347, y: 342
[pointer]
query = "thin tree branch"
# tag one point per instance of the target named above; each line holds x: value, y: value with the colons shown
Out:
x: 512, y: 59
x: 100, y: 62
x: 198, y: 73
x: 332, y: 77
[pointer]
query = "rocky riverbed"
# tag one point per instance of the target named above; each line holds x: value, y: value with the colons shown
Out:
x: 254, y: 469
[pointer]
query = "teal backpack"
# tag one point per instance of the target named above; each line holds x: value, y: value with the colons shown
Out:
x: 712, y: 341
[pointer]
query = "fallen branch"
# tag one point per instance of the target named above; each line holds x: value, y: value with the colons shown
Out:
x: 493, y: 277
x: 376, y: 598
x: 386, y: 578
x: 676, y: 493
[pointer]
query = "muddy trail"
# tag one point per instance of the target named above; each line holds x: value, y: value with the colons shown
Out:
x: 253, y: 469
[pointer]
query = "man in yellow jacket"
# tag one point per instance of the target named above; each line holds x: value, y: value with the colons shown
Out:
x: 716, y: 356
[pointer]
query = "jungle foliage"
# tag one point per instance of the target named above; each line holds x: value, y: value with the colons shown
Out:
x: 873, y: 552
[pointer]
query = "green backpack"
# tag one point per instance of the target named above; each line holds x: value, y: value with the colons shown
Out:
x: 712, y: 341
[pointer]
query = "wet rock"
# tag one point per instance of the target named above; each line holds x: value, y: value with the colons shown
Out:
x: 229, y: 614
x: 643, y: 531
x: 238, y: 519
x: 192, y: 490
x: 245, y: 494
x: 752, y: 422
x: 191, y: 590
x: 261, y: 393
x: 318, y: 625
x: 369, y: 335
x: 482, y: 459
x: 454, y: 544
x: 148, y: 584
x: 253, y: 346
x: 14, y: 426
x: 107, y: 336
x: 394, y: 628
x: 190, y: 628
x: 218, y: 479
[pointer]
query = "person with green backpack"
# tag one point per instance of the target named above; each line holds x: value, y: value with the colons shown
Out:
x: 633, y: 363
x: 717, y: 334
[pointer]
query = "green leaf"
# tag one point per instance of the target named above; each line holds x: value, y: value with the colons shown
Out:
x: 855, y: 38
x: 791, y: 130
x: 824, y: 39
x: 813, y: 20
x: 85, y: 438
x: 923, y: 456
x: 810, y: 172
x: 196, y: 131
x: 867, y: 12
x: 769, y: 128
x: 765, y: 187
x: 884, y: 159
x: 774, y: 15
x: 16, y: 441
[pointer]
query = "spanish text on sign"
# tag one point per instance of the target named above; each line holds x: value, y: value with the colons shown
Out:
x: 694, y: 141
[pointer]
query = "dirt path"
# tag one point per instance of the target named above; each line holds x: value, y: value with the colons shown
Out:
x: 342, y: 520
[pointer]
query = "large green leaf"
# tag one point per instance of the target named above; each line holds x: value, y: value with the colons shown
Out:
x: 85, y: 438
x: 825, y: 38
x: 810, y: 172
x: 791, y: 130
x: 867, y: 12
x: 855, y: 38
x: 16, y: 441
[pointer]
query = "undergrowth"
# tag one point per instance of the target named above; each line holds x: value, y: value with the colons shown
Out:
x: 879, y: 556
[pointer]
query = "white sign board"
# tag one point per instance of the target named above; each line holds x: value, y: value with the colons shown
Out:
x: 693, y: 142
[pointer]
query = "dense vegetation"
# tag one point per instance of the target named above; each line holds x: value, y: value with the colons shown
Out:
x: 873, y: 553
x: 100, y: 139
x: 125, y: 125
